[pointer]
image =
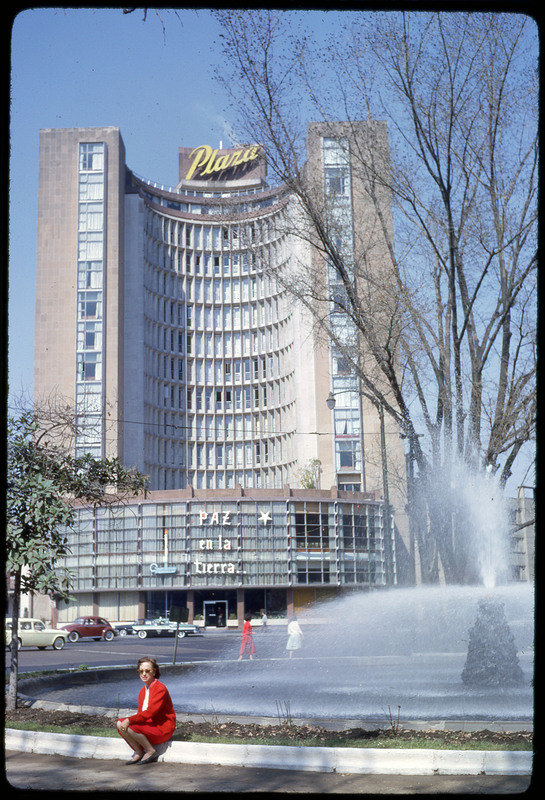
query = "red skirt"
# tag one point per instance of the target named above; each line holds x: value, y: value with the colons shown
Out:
x: 153, y: 733
x: 247, y: 645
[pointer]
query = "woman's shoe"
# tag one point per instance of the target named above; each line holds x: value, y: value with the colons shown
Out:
x: 134, y: 760
x: 149, y: 759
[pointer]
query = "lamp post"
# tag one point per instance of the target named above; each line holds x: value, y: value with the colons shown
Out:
x: 331, y: 402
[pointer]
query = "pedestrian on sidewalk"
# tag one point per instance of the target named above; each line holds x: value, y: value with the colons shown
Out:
x: 264, y: 620
x: 156, y: 719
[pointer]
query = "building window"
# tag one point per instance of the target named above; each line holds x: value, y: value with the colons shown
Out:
x: 347, y: 455
x: 90, y: 267
x: 91, y: 156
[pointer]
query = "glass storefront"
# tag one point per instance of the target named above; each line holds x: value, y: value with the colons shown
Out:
x: 222, y: 558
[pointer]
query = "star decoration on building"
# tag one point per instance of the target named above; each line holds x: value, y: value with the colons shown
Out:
x: 264, y: 517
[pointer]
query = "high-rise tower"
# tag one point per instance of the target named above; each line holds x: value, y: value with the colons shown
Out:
x: 159, y: 318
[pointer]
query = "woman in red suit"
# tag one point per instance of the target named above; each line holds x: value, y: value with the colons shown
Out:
x: 247, y: 646
x: 156, y: 719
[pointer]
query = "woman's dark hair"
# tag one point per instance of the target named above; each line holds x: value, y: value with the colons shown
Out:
x: 248, y: 617
x: 153, y: 663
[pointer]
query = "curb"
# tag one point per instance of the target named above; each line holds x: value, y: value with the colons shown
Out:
x: 306, y: 759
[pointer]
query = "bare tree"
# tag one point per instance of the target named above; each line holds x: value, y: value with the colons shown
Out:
x: 440, y: 283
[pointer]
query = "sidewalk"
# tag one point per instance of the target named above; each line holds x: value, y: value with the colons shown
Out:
x: 340, y: 760
x: 35, y: 771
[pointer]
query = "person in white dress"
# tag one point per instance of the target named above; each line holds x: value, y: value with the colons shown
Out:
x: 295, y: 636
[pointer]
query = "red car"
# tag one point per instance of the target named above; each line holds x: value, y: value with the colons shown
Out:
x: 89, y: 628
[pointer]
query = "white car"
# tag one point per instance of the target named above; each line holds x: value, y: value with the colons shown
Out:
x: 164, y: 627
x: 33, y: 633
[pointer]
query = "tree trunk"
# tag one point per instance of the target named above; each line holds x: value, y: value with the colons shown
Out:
x: 14, y: 662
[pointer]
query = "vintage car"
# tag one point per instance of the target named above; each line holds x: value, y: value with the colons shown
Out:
x: 125, y: 628
x: 164, y: 627
x: 33, y: 633
x: 89, y: 628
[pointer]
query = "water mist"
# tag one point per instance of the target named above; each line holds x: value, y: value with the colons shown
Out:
x: 367, y: 651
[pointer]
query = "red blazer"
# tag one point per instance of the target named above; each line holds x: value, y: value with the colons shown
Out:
x: 160, y: 711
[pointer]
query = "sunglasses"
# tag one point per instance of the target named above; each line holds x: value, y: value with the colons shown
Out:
x: 142, y: 671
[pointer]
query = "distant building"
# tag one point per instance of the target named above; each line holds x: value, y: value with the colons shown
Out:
x: 522, y: 535
x: 158, y: 315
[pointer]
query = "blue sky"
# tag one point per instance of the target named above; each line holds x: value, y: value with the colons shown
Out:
x: 84, y: 67
x: 99, y: 67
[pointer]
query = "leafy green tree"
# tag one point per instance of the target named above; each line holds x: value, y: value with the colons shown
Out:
x: 309, y: 474
x: 43, y: 481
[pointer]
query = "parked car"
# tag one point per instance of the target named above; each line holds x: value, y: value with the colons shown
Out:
x: 164, y: 627
x: 33, y: 633
x: 89, y: 628
x: 125, y: 628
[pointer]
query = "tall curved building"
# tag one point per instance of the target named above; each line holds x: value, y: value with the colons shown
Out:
x: 159, y: 316
x: 215, y: 338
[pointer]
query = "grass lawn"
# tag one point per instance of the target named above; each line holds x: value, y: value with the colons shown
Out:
x: 456, y: 740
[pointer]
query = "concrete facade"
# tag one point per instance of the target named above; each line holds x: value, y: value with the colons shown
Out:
x: 160, y: 318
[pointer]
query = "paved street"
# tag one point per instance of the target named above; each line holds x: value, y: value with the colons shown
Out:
x: 126, y: 650
x: 32, y: 771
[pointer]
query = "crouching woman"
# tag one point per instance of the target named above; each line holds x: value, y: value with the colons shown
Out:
x: 156, y: 719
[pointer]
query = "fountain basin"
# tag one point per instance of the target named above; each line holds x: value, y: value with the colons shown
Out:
x: 372, y: 655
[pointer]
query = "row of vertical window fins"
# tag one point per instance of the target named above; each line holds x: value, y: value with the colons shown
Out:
x: 223, y: 435
x: 208, y: 209
x: 273, y: 394
x: 223, y: 235
x: 247, y: 425
x: 224, y: 344
x: 262, y: 478
x: 217, y: 292
x: 214, y: 371
x: 218, y: 373
x: 214, y: 456
x: 180, y: 263
x: 225, y: 288
x: 214, y: 315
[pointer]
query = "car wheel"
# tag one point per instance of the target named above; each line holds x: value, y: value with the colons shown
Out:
x: 58, y: 643
x: 181, y: 634
x: 122, y: 632
x: 109, y: 635
x: 73, y: 636
x: 142, y: 634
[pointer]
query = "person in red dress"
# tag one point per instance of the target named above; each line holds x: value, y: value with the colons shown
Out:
x: 156, y: 719
x: 247, y: 646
